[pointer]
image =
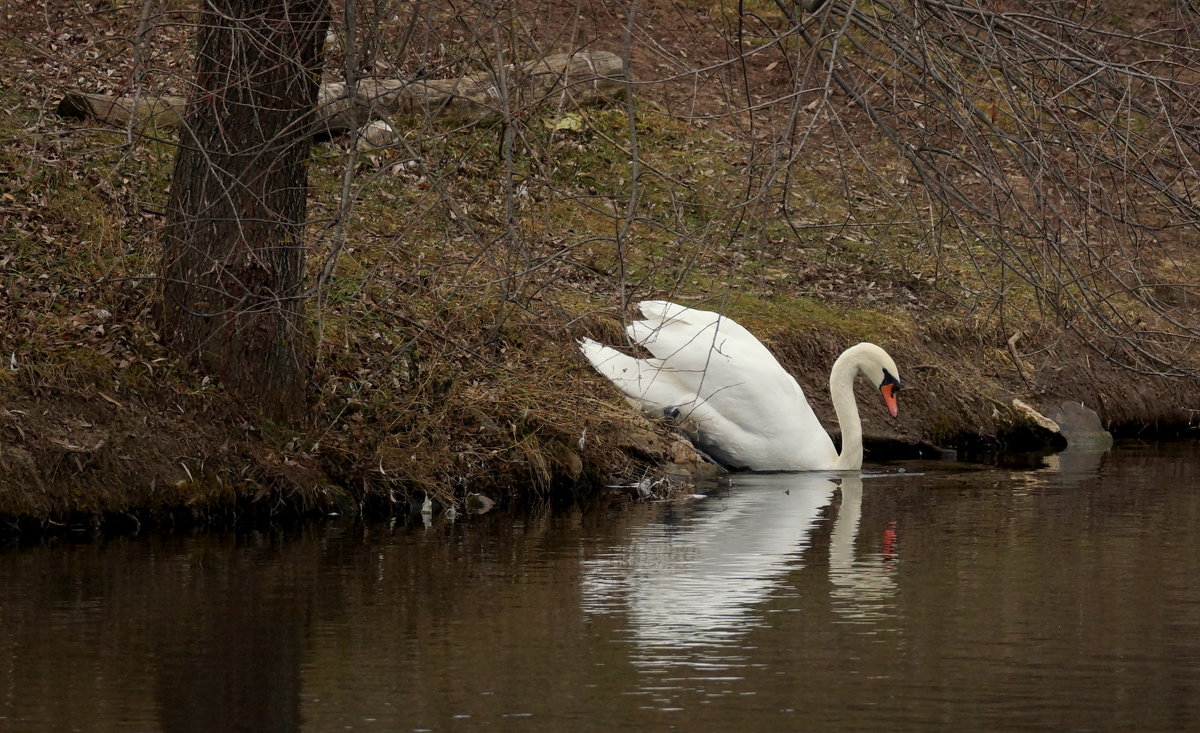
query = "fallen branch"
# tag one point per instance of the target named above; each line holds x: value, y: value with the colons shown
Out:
x: 580, y: 78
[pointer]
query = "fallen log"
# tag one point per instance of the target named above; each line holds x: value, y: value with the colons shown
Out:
x: 122, y: 111
x: 577, y: 79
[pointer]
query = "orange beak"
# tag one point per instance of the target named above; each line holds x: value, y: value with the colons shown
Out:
x: 889, y: 397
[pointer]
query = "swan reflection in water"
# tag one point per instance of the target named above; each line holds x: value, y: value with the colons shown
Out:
x: 699, y: 582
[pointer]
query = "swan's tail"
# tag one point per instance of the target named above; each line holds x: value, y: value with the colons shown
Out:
x: 619, y: 368
x: 643, y: 381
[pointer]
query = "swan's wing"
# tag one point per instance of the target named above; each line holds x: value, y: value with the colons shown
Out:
x: 658, y: 311
x: 712, y: 353
x: 642, y: 380
x: 668, y: 327
x: 657, y: 386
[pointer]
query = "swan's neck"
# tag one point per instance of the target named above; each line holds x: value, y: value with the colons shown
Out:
x: 841, y: 389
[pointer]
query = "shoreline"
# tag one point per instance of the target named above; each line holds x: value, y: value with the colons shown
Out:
x: 192, y: 457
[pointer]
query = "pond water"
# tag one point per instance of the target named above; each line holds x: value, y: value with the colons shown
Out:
x: 917, y: 596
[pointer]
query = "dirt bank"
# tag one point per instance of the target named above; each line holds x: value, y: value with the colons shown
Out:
x: 71, y: 454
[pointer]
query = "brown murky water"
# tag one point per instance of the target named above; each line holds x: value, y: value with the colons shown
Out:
x: 921, y: 596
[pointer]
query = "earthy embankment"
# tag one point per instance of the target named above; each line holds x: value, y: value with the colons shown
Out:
x: 87, y: 454
x: 1025, y: 240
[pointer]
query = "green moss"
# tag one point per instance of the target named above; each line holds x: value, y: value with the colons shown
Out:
x: 784, y: 314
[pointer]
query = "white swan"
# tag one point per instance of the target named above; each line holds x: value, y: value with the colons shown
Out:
x: 740, y: 406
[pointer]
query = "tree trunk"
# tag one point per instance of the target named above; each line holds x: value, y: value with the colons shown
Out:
x: 233, y: 248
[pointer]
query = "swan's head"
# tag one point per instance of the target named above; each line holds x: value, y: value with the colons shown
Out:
x: 877, y: 366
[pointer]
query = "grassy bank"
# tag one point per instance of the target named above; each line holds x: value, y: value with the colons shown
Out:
x: 463, y: 271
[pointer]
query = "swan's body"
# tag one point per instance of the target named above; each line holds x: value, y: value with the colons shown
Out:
x: 740, y: 405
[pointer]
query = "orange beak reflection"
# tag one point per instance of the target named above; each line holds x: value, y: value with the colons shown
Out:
x: 889, y: 391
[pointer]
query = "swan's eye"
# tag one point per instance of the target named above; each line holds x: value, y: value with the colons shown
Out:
x: 889, y: 379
